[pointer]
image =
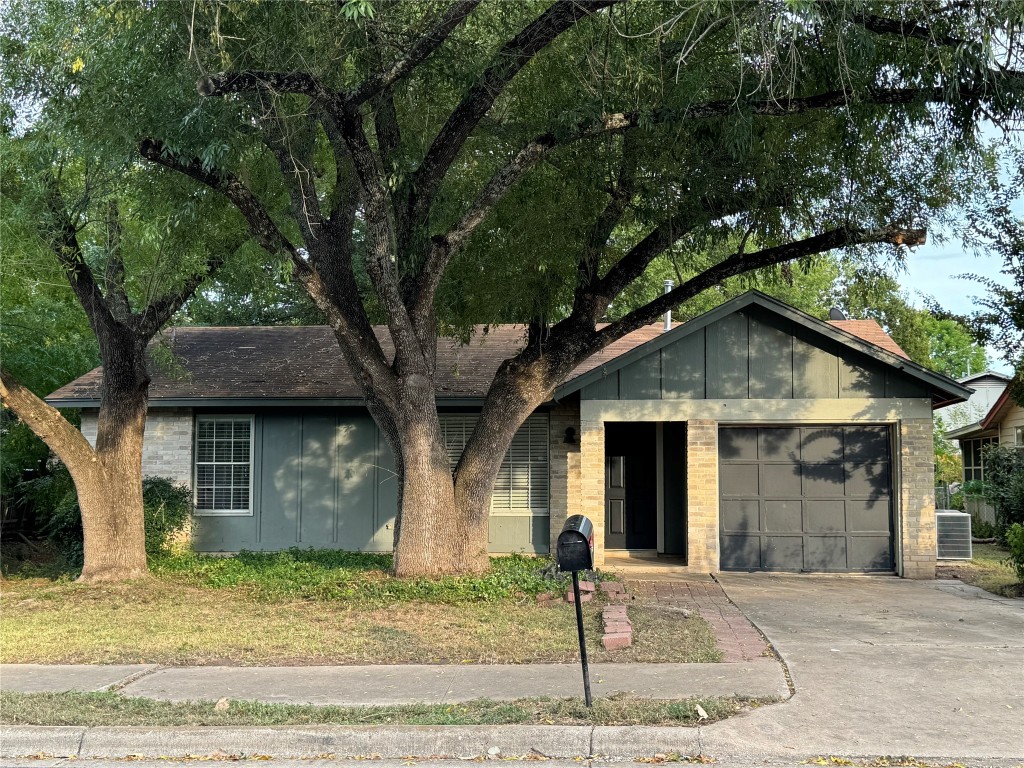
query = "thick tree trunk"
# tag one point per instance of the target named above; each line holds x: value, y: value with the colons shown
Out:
x: 430, y: 529
x: 108, y: 478
x: 113, y: 521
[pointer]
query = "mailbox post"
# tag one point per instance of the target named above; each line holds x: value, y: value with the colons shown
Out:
x: 575, y: 552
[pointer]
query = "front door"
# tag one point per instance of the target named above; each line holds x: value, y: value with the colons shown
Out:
x: 630, y: 486
x: 615, y: 502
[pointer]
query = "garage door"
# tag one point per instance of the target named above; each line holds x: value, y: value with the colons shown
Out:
x: 806, y: 499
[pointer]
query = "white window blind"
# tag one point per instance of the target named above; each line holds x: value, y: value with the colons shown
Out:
x: 522, y: 482
x: 223, y: 465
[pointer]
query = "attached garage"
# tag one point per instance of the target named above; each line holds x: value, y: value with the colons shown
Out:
x: 815, y: 498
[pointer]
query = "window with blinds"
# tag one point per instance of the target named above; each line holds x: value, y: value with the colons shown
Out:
x: 223, y: 465
x: 522, y: 483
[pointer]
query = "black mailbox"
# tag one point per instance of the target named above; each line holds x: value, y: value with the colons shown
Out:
x: 575, y: 548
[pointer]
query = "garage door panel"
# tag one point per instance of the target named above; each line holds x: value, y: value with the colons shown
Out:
x: 740, y: 552
x: 825, y: 553
x: 824, y: 480
x: 780, y: 480
x: 741, y: 516
x: 867, y: 479
x: 870, y: 553
x: 738, y: 444
x: 816, y: 498
x: 822, y: 445
x: 868, y: 515
x: 782, y: 552
x: 783, y: 516
x: 824, y: 515
x: 778, y: 444
x: 867, y: 444
x: 740, y: 480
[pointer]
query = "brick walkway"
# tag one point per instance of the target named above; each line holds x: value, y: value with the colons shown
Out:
x: 738, y: 640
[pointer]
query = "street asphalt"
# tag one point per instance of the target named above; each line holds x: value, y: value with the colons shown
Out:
x: 881, y: 666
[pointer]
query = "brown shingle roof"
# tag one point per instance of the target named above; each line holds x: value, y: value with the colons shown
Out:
x: 869, y: 330
x: 305, y: 362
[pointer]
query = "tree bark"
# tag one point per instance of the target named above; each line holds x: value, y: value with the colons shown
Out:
x: 430, y: 528
x: 108, y: 479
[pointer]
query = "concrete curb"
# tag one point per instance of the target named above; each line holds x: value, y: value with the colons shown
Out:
x: 296, y: 742
x: 346, y: 741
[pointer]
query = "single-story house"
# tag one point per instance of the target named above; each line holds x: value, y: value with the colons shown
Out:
x: 1003, y: 424
x: 753, y: 437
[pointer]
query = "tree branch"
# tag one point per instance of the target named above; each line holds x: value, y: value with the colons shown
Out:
x: 452, y: 18
x: 508, y: 61
x: 260, y: 223
x: 224, y: 83
x: 63, y: 238
x: 622, y: 121
x: 741, y: 263
x: 48, y: 424
x: 113, y: 277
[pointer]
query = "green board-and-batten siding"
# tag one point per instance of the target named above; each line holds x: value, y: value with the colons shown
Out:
x: 326, y: 480
x: 753, y: 354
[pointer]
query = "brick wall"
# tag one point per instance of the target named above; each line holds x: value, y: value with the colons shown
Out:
x: 917, y: 499
x: 564, y: 467
x: 702, y: 495
x: 592, y: 481
x: 167, y: 450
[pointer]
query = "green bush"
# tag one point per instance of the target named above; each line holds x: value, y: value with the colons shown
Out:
x: 166, y: 506
x: 1004, y: 483
x: 1015, y: 540
x: 982, y: 529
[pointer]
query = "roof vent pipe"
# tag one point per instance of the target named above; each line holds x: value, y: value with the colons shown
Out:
x: 668, y: 315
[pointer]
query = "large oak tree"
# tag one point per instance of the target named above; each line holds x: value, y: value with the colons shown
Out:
x: 430, y: 164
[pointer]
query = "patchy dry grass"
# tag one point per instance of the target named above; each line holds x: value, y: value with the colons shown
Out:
x: 100, y: 709
x: 163, y: 621
x: 987, y: 570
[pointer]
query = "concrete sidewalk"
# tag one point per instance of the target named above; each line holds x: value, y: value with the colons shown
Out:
x: 401, y: 684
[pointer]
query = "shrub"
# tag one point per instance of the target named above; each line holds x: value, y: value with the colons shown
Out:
x: 1015, y: 540
x: 1004, y: 476
x: 982, y: 529
x: 167, y: 508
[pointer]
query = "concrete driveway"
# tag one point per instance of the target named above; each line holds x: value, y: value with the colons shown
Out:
x: 883, y: 666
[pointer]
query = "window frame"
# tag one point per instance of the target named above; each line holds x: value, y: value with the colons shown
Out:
x: 972, y: 448
x: 1018, y: 436
x: 215, y: 417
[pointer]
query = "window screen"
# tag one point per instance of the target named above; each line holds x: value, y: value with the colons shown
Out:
x: 522, y: 482
x: 223, y: 464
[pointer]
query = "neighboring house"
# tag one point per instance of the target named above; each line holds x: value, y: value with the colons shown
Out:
x: 753, y: 437
x: 1003, y: 424
x: 987, y: 386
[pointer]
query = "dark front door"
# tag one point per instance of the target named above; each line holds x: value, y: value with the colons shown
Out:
x: 631, y: 495
x: 615, y: 502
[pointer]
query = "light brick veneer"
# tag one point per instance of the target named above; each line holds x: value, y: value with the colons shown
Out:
x: 592, y: 481
x: 702, y: 495
x: 167, y: 449
x: 564, y: 468
x: 917, y: 499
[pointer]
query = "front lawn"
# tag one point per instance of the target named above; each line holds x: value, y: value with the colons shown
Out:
x: 987, y: 570
x: 315, y: 607
x: 100, y: 709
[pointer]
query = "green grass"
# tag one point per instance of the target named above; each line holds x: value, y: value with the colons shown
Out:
x: 988, y: 569
x: 101, y: 709
x: 318, y: 607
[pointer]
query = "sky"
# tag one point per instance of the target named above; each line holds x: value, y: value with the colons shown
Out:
x: 934, y: 269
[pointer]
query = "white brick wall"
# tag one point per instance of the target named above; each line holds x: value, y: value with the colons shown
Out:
x: 167, y: 450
